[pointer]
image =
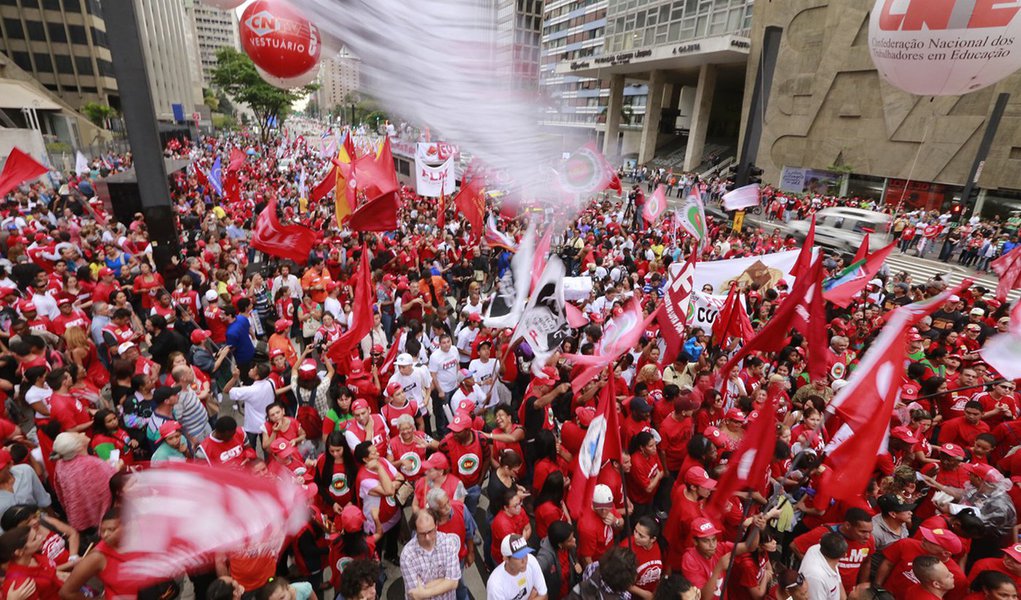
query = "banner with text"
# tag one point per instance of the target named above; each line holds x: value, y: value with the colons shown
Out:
x: 434, y: 169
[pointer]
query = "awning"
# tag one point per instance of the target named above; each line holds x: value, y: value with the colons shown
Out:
x: 17, y: 94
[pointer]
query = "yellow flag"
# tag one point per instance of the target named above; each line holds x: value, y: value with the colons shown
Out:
x: 340, y: 200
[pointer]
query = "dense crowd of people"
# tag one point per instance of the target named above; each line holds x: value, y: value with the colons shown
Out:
x: 437, y: 446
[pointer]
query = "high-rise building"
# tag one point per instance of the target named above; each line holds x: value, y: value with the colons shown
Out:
x: 338, y: 77
x: 63, y: 45
x: 518, y: 32
x: 162, y: 25
x: 214, y: 29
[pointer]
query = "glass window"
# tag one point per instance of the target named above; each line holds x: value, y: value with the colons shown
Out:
x: 64, y: 65
x: 674, y: 33
x: 22, y: 60
x: 13, y: 28
x: 57, y: 33
x: 77, y: 33
x: 84, y: 65
x: 43, y: 62
x: 35, y: 30
x: 51, y: 4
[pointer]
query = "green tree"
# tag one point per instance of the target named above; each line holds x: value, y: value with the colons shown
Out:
x: 209, y: 99
x: 98, y: 114
x: 235, y: 74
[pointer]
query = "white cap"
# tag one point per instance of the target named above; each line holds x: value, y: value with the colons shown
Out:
x: 954, y: 298
x: 211, y: 296
x: 977, y: 311
x: 404, y: 360
x: 837, y: 384
x: 125, y: 347
x: 876, y: 282
x: 602, y: 496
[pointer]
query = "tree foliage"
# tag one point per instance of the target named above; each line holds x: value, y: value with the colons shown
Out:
x: 97, y: 113
x: 235, y: 74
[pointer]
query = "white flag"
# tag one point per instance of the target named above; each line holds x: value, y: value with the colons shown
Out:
x: 1003, y: 351
x: 544, y: 322
x: 742, y: 197
x: 81, y: 164
x: 512, y: 289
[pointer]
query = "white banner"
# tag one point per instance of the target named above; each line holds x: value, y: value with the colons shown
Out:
x: 434, y: 169
x: 766, y: 270
x: 703, y: 310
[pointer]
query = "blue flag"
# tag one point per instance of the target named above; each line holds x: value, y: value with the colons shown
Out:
x: 216, y: 177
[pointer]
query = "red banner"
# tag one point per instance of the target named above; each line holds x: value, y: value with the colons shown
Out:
x: 293, y: 242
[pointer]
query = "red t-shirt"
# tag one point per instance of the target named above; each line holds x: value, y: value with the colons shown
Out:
x: 650, y: 565
x: 678, y: 526
x: 594, y: 536
x: 748, y: 571
x: 643, y: 469
x: 697, y: 569
x: 545, y: 514
x: 229, y: 453
x: 504, y: 525
x: 47, y: 585
x: 68, y: 411
x: 992, y: 564
x: 675, y: 436
x: 902, y: 554
x: 850, y: 564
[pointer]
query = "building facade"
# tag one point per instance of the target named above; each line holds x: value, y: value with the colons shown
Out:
x: 213, y: 29
x: 518, y: 30
x: 62, y: 44
x: 163, y: 26
x: 672, y: 74
x: 829, y: 110
x: 339, y: 81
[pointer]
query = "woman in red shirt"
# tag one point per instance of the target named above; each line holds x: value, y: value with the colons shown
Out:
x: 280, y: 426
x: 332, y: 468
x: 507, y: 434
x: 146, y: 285
x: 549, y: 504
x: 20, y: 550
x: 105, y: 562
x: 646, y: 472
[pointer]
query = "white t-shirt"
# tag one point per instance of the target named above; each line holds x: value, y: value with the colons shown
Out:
x: 37, y: 394
x: 445, y: 365
x: 823, y: 580
x: 414, y: 385
x: 504, y: 586
x: 464, y: 340
x: 256, y: 397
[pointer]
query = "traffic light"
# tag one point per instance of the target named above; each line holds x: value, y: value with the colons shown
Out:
x: 754, y: 174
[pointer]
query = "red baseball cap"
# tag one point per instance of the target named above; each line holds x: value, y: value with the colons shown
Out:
x: 359, y: 404
x: 167, y: 429
x: 715, y: 436
x: 200, y: 335
x: 736, y: 415
x: 377, y: 349
x: 393, y: 388
x: 1014, y: 552
x: 944, y: 538
x: 984, y: 472
x: 698, y: 476
x: 904, y: 434
x: 952, y: 450
x: 909, y: 391
x: 351, y: 519
x: 461, y: 422
x: 282, y: 324
x: 585, y: 415
x: 437, y: 460
x: 703, y: 527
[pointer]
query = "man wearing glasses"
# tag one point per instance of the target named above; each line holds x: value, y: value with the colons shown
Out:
x: 429, y: 561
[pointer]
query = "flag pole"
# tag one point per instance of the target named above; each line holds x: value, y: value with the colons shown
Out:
x: 740, y: 535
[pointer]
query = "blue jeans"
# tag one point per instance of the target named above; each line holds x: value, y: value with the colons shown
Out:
x: 471, y: 501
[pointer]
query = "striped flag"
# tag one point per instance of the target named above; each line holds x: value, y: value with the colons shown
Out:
x: 497, y: 238
x: 673, y: 318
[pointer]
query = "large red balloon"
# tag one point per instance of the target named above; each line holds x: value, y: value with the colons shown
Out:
x: 279, y: 39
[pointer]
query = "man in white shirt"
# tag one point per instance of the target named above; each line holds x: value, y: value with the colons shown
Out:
x: 416, y: 382
x: 466, y: 336
x: 819, y: 567
x: 286, y: 278
x: 443, y: 365
x: 486, y: 369
x: 519, y: 576
x: 256, y: 398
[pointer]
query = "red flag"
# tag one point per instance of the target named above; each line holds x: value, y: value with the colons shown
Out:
x: 842, y: 289
x: 1008, y: 267
x: 804, y: 309
x: 18, y: 169
x: 370, y: 176
x: 361, y: 312
x: 615, y: 184
x: 733, y: 319
x: 748, y: 466
x: 178, y: 517
x: 378, y: 214
x: 863, y: 250
x: 804, y: 262
x: 237, y: 160
x: 472, y: 204
x: 394, y: 350
x: 201, y: 178
x: 286, y: 241
x: 232, y: 188
x: 601, y: 444
x: 620, y: 335
x: 674, y: 315
x: 325, y: 186
x: 441, y: 216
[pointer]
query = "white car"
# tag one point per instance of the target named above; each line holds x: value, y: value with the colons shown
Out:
x: 844, y: 228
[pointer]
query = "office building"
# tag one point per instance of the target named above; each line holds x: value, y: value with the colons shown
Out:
x: 62, y: 44
x: 165, y: 42
x: 690, y: 54
x: 213, y: 29
x: 339, y: 81
x: 830, y: 117
x: 518, y: 30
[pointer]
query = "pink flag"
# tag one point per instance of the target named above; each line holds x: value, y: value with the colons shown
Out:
x: 742, y: 197
x: 619, y: 335
x: 177, y: 518
x: 539, y: 260
x: 1003, y: 351
x: 575, y: 318
x: 655, y: 206
x: 237, y: 160
x: 601, y: 443
x: 1008, y: 267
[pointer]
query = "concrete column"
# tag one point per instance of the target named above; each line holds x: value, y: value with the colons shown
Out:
x: 613, y: 106
x: 845, y: 183
x: 980, y: 203
x: 700, y: 116
x: 653, y: 108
